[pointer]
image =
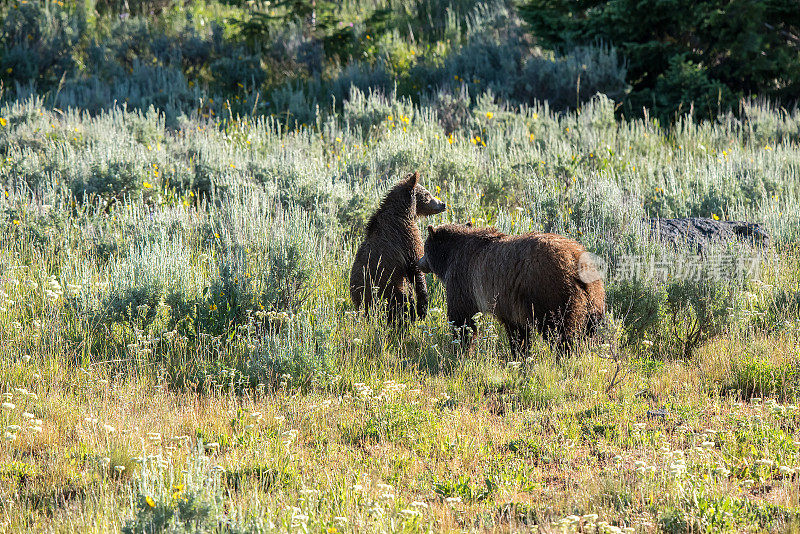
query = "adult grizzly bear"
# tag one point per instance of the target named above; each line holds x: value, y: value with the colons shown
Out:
x: 537, y: 280
x: 387, y: 259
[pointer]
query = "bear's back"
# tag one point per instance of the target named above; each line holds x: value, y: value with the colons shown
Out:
x: 510, y: 275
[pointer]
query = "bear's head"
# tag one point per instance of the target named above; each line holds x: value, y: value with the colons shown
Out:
x: 426, y: 203
x: 438, y: 249
x: 446, y: 240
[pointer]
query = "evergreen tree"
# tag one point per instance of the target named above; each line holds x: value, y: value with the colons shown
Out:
x: 708, y: 53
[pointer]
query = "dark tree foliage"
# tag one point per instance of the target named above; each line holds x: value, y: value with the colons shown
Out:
x: 706, y: 53
x: 320, y: 21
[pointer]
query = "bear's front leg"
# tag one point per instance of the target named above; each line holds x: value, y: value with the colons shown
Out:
x: 460, y: 313
x: 464, y: 328
x: 421, y: 291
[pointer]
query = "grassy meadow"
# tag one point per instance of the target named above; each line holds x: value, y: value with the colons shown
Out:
x: 180, y: 352
x: 178, y: 349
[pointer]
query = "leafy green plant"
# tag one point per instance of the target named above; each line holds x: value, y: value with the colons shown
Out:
x: 465, y: 489
x: 673, y: 521
x: 753, y: 376
x: 162, y: 503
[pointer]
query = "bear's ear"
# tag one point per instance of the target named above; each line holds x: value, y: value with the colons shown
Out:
x: 468, y: 224
x: 413, y: 179
x: 431, y: 230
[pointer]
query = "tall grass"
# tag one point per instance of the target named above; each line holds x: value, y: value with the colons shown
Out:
x: 180, y: 352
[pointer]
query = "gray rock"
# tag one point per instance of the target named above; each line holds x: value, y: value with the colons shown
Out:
x: 700, y: 231
x: 658, y: 413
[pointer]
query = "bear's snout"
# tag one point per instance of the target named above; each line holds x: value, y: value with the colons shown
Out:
x: 437, y: 206
x: 423, y: 264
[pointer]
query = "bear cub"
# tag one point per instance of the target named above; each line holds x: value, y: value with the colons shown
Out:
x: 528, y: 281
x: 387, y: 259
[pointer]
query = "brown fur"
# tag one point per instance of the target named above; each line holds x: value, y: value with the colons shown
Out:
x: 526, y: 281
x: 387, y: 259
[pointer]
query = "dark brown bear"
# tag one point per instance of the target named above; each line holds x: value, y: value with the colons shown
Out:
x: 387, y: 259
x: 531, y: 280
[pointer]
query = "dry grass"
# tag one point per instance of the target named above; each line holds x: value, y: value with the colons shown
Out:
x: 479, y: 460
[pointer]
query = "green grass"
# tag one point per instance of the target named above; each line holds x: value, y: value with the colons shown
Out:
x: 197, y: 329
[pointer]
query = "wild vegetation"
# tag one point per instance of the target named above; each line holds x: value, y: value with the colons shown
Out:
x: 701, y: 57
x: 179, y: 349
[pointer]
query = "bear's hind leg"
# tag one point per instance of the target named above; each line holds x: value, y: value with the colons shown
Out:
x: 576, y: 324
x: 400, y: 308
x: 552, y: 328
x: 519, y: 337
